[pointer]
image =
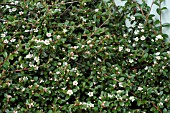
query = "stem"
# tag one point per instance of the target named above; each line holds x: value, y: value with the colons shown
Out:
x: 102, y: 24
x: 160, y: 17
x: 147, y: 16
x: 66, y: 10
x: 139, y: 7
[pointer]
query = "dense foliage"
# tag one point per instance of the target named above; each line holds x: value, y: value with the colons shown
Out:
x: 81, y: 56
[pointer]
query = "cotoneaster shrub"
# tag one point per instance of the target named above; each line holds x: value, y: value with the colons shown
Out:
x: 80, y: 56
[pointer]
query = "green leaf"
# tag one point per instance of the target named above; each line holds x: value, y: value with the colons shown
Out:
x: 12, y: 99
x: 50, y: 111
x: 5, y: 54
x: 145, y: 55
x: 138, y: 15
x: 166, y: 25
x: 163, y: 8
x: 156, y: 3
x: 10, y: 18
x: 121, y: 79
x: 11, y: 57
x: 158, y: 11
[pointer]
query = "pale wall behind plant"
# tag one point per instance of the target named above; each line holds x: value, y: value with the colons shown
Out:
x: 165, y: 14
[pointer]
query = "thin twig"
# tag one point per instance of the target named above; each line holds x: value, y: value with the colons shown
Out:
x: 24, y: 69
x: 147, y: 16
x: 139, y: 7
x: 160, y: 17
x: 66, y: 10
x: 102, y: 24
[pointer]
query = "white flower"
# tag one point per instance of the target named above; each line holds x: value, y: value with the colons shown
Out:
x: 125, y: 35
x: 140, y: 25
x: 152, y: 40
x: 35, y: 30
x: 25, y: 78
x: 110, y: 96
x: 23, y: 90
x: 119, y: 91
x: 90, y: 105
x: 98, y: 59
x: 158, y: 53
x: 160, y: 104
x: 91, y: 45
x: 116, y: 68
x: 120, y: 84
x: 142, y: 38
x: 27, y: 31
x: 6, y: 41
x: 31, y: 64
x: 13, y: 40
x: 3, y: 35
x: 96, y: 10
x: 166, y: 100
x: 132, y: 98
x: 158, y: 57
x: 90, y: 94
x: 131, y: 60
x: 9, y: 96
x: 23, y: 26
x: 29, y: 55
x: 31, y: 105
x: 21, y: 66
x: 127, y: 49
x: 36, y: 59
x: 16, y: 2
x: 7, y: 6
x: 58, y: 36
x: 10, y: 10
x: 65, y: 63
x: 50, y: 39
x: 168, y: 52
x: 48, y: 34
x: 142, y: 30
x: 64, y: 30
x: 136, y: 39
x: 132, y: 17
x: 140, y: 88
x: 75, y: 83
x: 136, y: 32
x: 146, y: 68
x: 15, y: 112
x: 58, y: 72
x: 12, y: 3
x: 89, y: 41
x: 63, y: 88
x: 41, y: 80
x: 17, y: 45
x: 120, y: 48
x: 159, y: 37
x: 46, y: 42
x: 69, y: 92
x: 14, y: 9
